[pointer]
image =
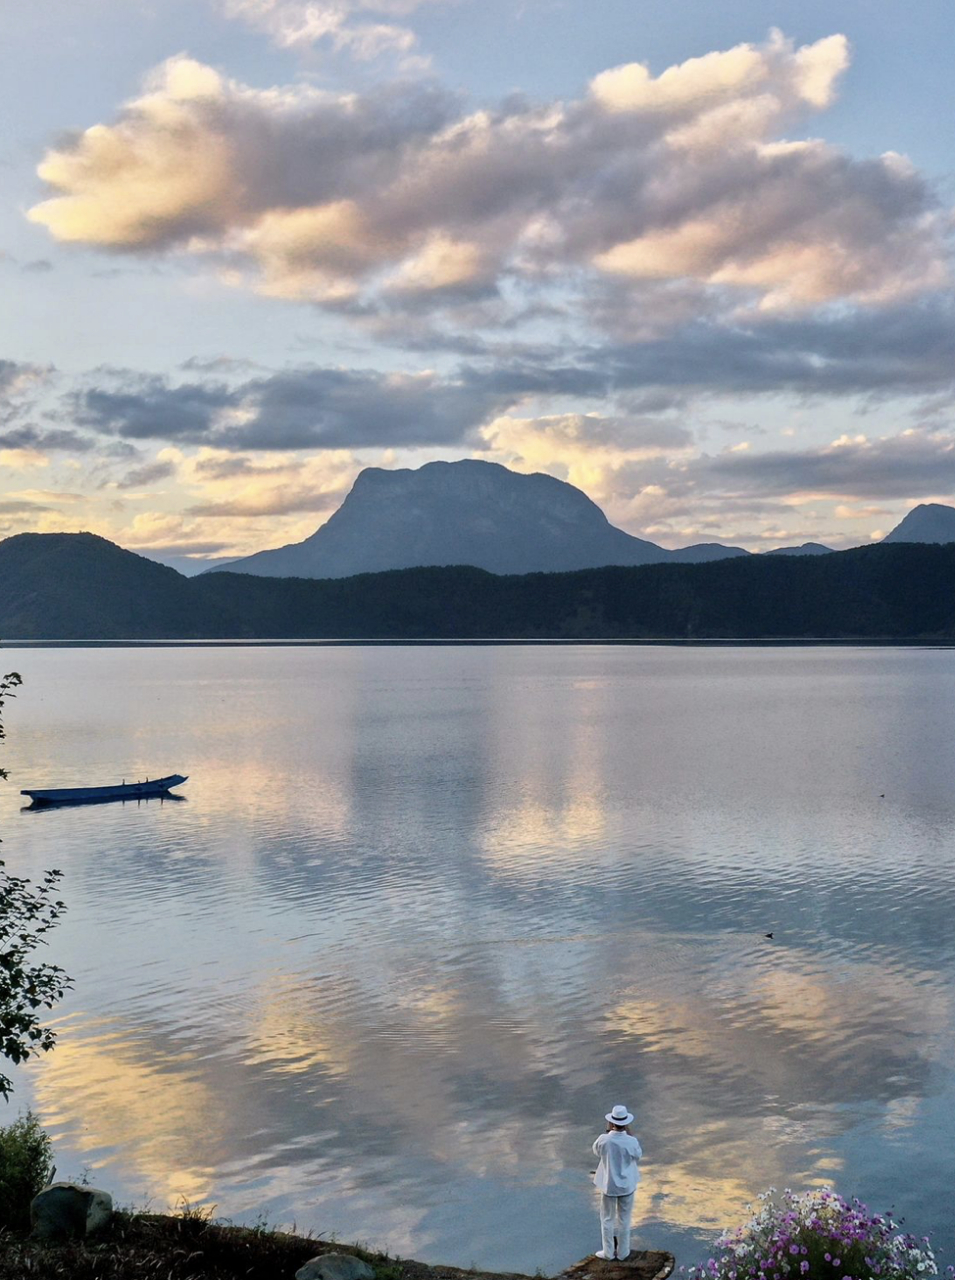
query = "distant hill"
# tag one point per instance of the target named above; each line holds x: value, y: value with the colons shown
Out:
x: 702, y: 553
x: 807, y: 549
x: 77, y: 586
x: 928, y: 522
x: 81, y: 587
x: 467, y: 512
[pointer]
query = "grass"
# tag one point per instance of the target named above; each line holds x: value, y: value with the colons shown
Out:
x: 191, y: 1245
x: 185, y: 1246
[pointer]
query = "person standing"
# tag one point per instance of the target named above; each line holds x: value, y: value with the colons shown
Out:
x: 616, y: 1178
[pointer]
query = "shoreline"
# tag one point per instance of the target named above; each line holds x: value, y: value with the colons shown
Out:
x: 716, y: 642
x: 194, y: 1246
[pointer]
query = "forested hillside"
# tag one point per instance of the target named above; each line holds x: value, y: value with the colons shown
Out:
x: 76, y: 586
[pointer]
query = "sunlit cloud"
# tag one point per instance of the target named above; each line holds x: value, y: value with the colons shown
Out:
x: 23, y: 459
x: 339, y: 198
x: 587, y: 450
x: 353, y: 26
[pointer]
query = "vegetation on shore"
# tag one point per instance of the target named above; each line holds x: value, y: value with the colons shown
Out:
x: 26, y: 1166
x: 818, y: 1235
x: 185, y: 1246
x: 191, y: 1245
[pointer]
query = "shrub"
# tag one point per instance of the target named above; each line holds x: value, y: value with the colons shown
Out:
x: 819, y: 1236
x: 26, y: 1166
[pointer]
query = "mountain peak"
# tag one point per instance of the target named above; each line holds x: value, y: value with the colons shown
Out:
x: 928, y: 522
x: 473, y: 479
x: 469, y: 512
x: 805, y: 549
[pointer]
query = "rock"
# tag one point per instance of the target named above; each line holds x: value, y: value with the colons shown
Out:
x: 65, y: 1211
x: 335, y: 1266
x: 651, y: 1264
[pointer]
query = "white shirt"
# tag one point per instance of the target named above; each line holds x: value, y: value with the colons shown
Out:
x: 617, y: 1170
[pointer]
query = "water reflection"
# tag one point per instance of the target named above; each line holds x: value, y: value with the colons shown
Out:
x: 457, y: 902
x: 119, y: 1096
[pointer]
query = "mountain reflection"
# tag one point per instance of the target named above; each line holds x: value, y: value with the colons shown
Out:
x: 459, y: 902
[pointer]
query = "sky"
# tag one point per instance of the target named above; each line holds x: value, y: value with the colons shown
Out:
x: 694, y: 258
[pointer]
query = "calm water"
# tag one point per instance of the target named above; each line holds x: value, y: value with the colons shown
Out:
x: 426, y: 913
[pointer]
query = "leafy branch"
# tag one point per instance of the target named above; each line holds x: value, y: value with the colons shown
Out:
x: 8, y: 682
x: 28, y: 912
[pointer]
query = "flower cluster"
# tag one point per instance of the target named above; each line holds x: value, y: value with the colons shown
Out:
x: 820, y: 1236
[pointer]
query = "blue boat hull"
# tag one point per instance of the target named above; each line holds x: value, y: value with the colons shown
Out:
x: 97, y: 795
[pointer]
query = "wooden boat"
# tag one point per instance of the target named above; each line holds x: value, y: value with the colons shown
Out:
x: 93, y: 795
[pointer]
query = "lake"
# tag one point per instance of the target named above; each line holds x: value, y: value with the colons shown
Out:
x: 424, y: 914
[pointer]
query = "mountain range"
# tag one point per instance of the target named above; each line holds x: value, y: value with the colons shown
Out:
x: 482, y: 514
x: 471, y: 549
x: 76, y: 586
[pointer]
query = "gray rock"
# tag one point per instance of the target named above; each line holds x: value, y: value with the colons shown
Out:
x: 65, y: 1211
x: 335, y: 1266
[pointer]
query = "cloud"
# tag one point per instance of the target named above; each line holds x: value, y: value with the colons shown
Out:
x: 297, y: 24
x: 702, y: 85
x: 22, y: 444
x: 238, y: 486
x: 18, y: 507
x: 859, y: 512
x: 148, y: 473
x: 190, y: 547
x: 343, y: 408
x: 915, y: 464
x: 22, y: 459
x: 905, y: 349
x: 41, y: 440
x: 17, y: 378
x: 199, y: 161
x: 399, y: 196
x: 600, y: 455
x: 632, y: 391
x: 146, y: 407
x: 218, y: 364
x: 307, y: 408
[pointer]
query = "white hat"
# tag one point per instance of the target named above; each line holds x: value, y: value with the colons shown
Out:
x: 619, y: 1115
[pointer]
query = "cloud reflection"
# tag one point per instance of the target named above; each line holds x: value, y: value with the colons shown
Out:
x: 118, y: 1096
x: 453, y: 891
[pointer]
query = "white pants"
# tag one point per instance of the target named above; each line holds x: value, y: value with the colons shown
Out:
x: 615, y: 1214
